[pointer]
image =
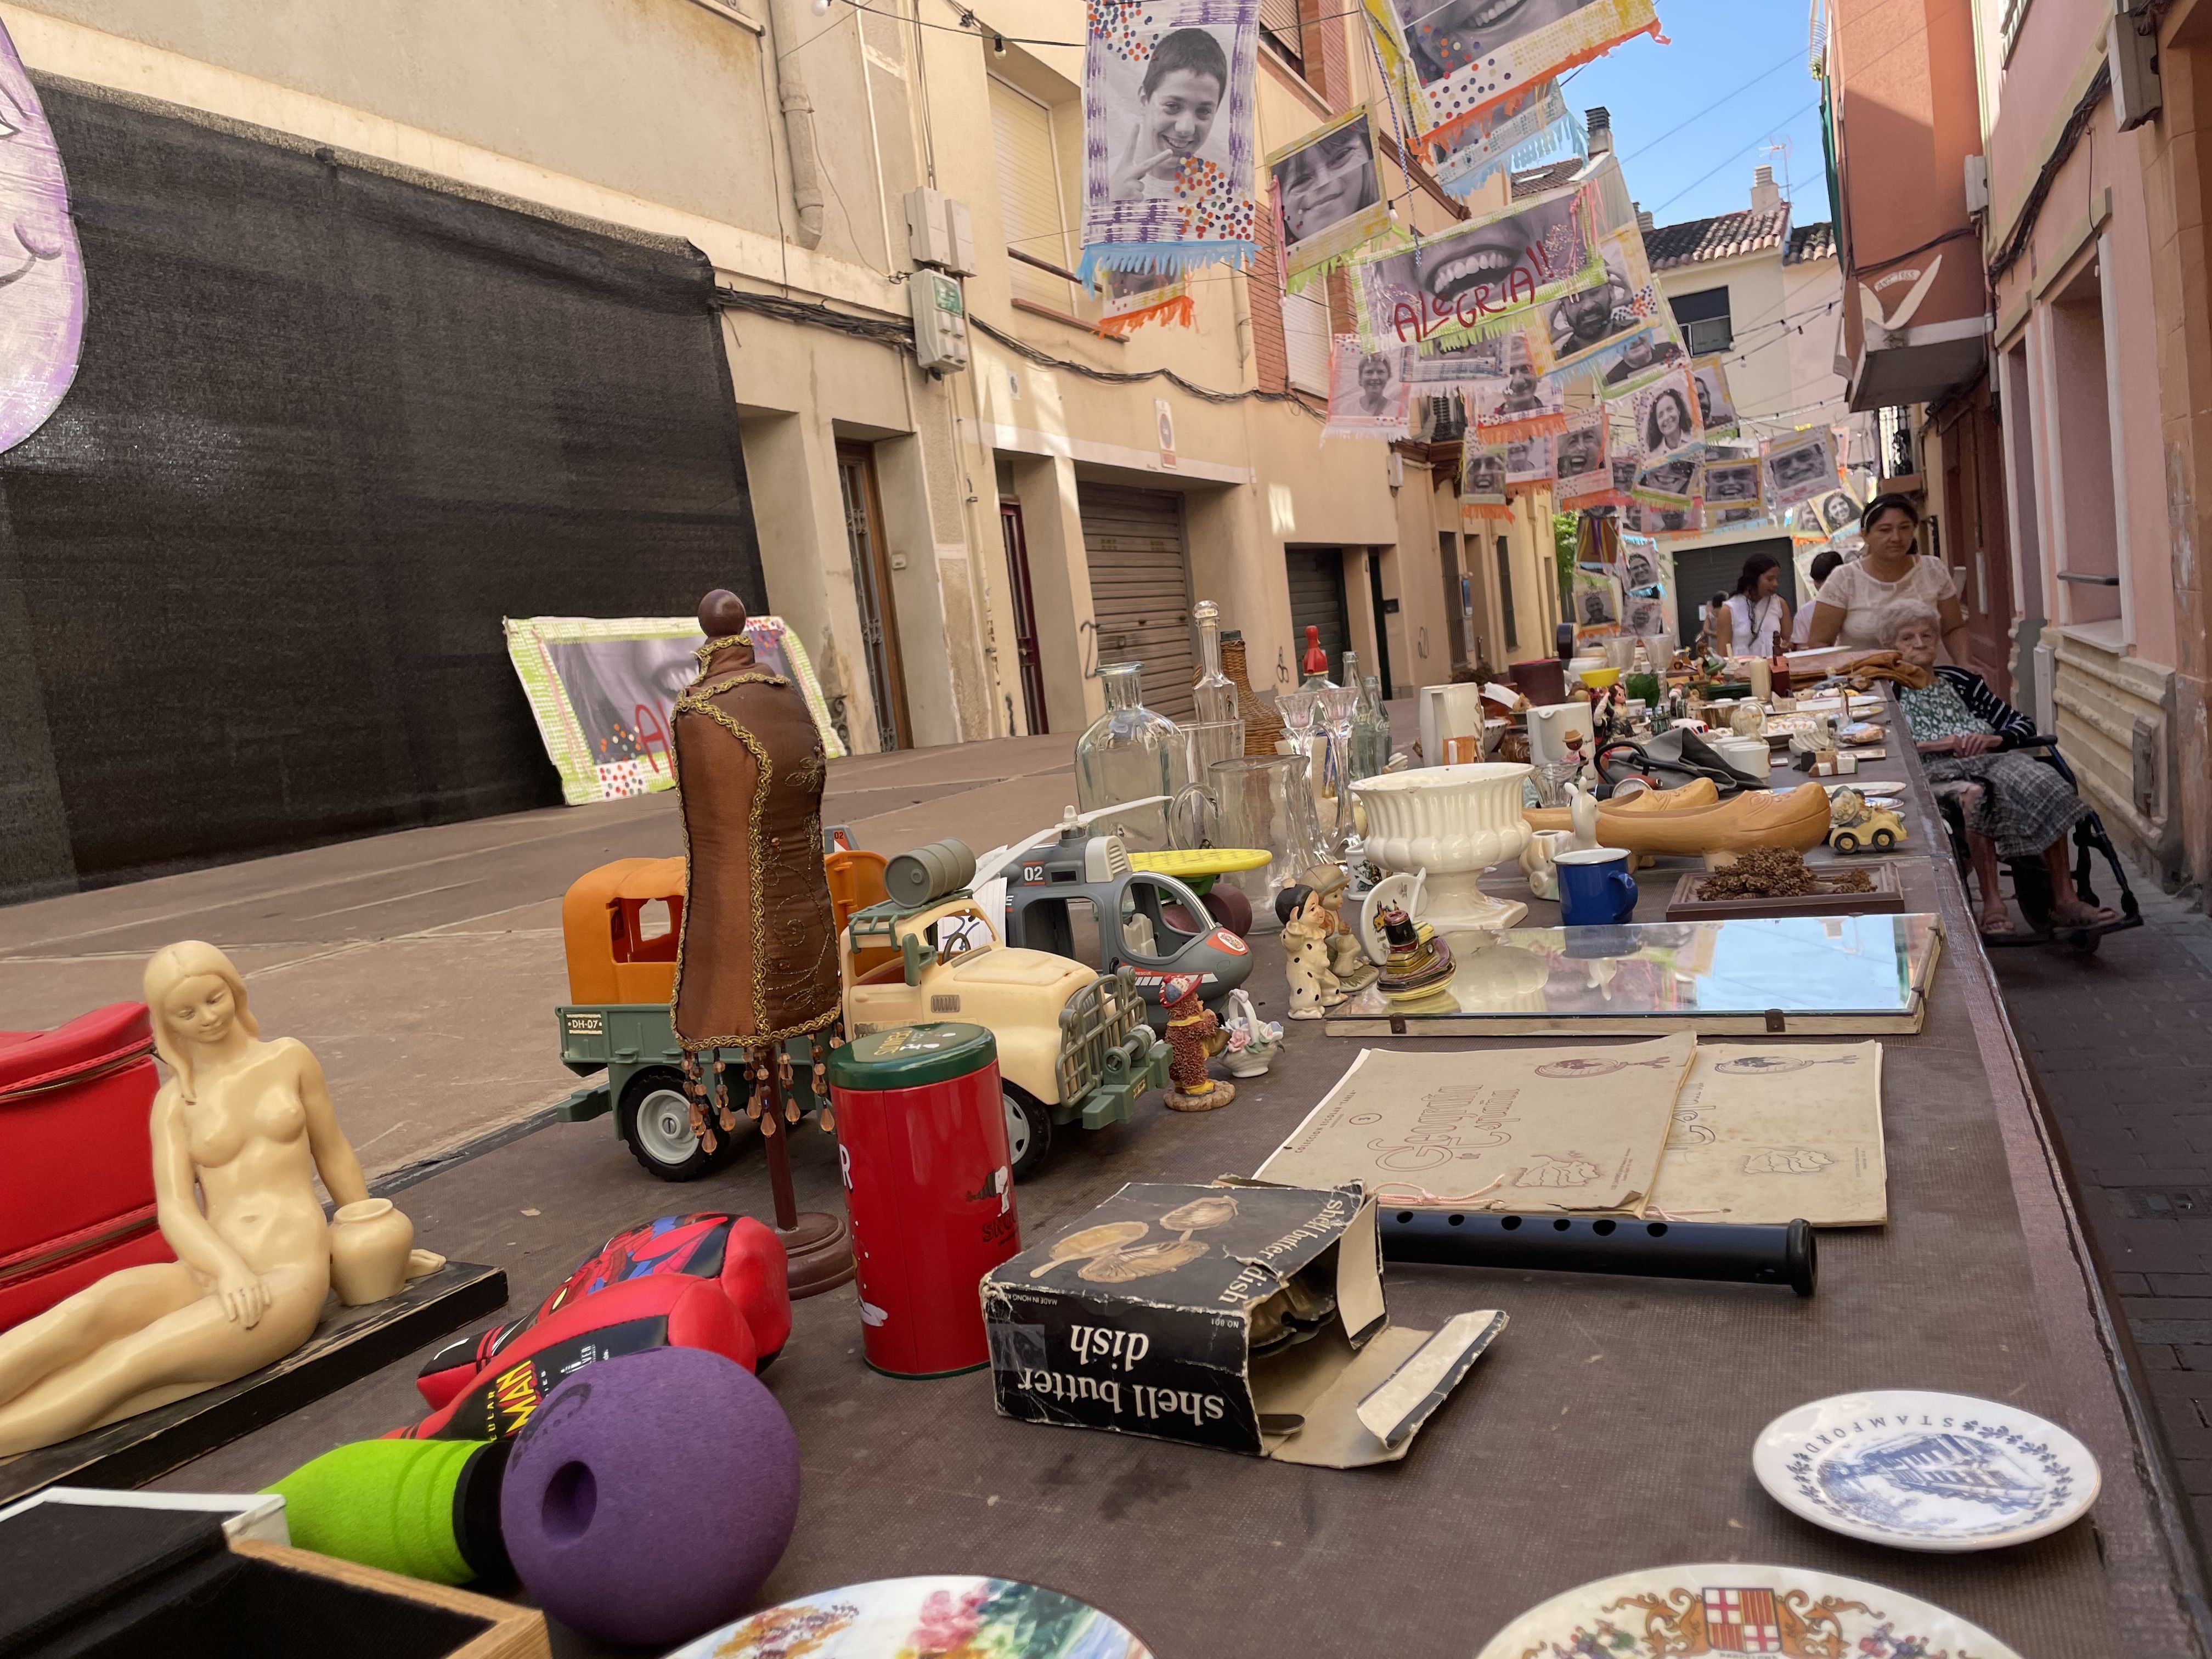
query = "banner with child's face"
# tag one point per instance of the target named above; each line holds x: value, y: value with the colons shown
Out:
x: 1328, y: 190
x: 1168, y: 129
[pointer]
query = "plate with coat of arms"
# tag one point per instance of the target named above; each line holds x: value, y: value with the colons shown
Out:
x: 1925, y: 1471
x: 1729, y: 1608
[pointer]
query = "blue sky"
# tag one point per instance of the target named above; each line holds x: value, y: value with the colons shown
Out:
x: 1718, y: 46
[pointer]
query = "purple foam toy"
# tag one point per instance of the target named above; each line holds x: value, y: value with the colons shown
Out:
x: 651, y: 1495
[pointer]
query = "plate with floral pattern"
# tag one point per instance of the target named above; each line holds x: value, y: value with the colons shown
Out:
x: 1925, y: 1471
x: 1728, y: 1607
x: 972, y: 1617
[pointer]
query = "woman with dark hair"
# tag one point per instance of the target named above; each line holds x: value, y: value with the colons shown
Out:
x: 1858, y: 603
x: 1824, y: 566
x: 1708, y: 636
x: 1756, y: 614
x: 1666, y: 423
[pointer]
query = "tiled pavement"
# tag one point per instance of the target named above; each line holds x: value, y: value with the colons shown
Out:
x: 2121, y: 1043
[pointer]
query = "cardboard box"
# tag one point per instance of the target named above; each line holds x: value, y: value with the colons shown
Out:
x: 1246, y: 1317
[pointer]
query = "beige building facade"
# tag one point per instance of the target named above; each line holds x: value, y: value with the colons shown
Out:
x: 959, y: 552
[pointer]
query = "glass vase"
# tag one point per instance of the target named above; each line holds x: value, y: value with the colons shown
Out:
x: 1131, y: 758
x: 1370, y: 731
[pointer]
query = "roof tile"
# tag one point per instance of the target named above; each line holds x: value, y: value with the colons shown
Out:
x: 1725, y: 236
x: 1810, y: 242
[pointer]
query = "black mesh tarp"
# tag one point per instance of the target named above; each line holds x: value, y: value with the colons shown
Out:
x: 329, y: 426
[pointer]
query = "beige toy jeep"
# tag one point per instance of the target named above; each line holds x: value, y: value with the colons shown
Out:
x: 1856, y: 821
x: 1073, y: 1046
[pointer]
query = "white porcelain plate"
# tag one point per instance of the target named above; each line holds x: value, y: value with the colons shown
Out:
x: 1728, y: 1607
x: 901, y: 1618
x: 1925, y: 1471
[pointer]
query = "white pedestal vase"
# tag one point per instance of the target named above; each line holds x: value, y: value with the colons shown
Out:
x: 1454, y: 822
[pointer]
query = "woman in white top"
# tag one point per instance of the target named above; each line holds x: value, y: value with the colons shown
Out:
x: 1824, y: 566
x: 1756, y: 614
x: 1860, y: 602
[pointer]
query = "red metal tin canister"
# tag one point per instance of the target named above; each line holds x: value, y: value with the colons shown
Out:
x: 922, y: 1143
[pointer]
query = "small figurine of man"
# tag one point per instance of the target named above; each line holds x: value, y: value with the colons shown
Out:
x: 1307, y: 927
x: 1194, y: 1034
x: 1347, y: 957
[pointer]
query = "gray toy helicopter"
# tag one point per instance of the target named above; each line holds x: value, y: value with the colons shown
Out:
x: 1149, y: 919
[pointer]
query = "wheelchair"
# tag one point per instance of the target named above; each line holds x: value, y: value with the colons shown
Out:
x: 2030, y: 878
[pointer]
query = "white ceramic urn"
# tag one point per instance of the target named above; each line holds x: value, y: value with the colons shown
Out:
x: 1454, y: 822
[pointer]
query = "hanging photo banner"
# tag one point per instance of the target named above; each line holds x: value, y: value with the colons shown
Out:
x: 1716, y: 408
x: 1368, y: 392
x: 1612, y: 327
x: 1667, y: 418
x: 1459, y: 57
x: 1800, y: 468
x: 1169, y: 124
x: 1327, y: 188
x: 1526, y: 130
x: 1668, y: 483
x: 1522, y: 402
x: 1579, y: 473
x: 1527, y: 461
x: 1130, y: 299
x: 1597, y: 603
x: 1645, y: 616
x: 1735, y: 493
x: 1838, y: 511
x: 1478, y: 280
x: 1482, y: 485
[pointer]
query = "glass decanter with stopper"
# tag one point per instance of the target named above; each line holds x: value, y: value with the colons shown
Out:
x: 1130, y: 754
x: 1215, y: 694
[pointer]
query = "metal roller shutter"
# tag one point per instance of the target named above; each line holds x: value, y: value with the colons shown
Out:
x: 1317, y: 600
x: 1140, y: 589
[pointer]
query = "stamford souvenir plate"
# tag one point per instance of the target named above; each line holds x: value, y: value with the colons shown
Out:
x: 1730, y: 1608
x: 901, y: 1618
x: 1925, y: 1471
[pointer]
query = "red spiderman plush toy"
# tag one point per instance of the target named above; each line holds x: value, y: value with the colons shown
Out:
x: 711, y: 1280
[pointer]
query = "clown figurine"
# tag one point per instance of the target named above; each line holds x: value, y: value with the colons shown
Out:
x: 1194, y: 1034
x: 1307, y: 926
x: 1347, y: 957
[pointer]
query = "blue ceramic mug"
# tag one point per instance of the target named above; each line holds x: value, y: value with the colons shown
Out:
x: 1595, y: 890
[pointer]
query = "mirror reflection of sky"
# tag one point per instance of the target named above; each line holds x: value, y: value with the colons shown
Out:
x: 1807, y: 964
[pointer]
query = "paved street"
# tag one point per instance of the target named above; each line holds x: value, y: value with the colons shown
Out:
x: 2122, y: 1056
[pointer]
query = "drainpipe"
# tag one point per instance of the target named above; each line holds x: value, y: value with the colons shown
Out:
x: 797, y: 124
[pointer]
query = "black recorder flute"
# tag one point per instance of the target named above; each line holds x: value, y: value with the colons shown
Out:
x: 1604, y: 1245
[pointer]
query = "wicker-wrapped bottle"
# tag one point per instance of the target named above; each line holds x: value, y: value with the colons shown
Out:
x: 1263, y: 726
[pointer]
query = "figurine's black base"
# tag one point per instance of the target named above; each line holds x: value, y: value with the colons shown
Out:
x: 347, y: 1345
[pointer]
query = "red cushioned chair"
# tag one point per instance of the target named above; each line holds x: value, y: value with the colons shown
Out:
x: 76, y: 1158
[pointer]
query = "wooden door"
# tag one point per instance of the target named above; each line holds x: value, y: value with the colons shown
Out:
x: 1029, y: 658
x: 872, y: 590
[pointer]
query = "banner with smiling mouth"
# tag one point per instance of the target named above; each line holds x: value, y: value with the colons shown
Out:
x: 1169, y: 127
x: 1456, y: 59
x: 1479, y: 280
x: 41, y: 270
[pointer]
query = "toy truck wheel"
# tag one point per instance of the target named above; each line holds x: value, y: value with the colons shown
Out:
x: 655, y: 1119
x: 1846, y: 842
x: 1029, y: 1130
x: 1884, y: 840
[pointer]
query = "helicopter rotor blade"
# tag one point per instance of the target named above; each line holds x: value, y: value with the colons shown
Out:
x: 1097, y: 813
x: 999, y: 858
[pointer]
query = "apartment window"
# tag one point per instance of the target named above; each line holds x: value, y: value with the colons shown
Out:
x: 2008, y: 21
x: 1505, y: 592
x: 1279, y: 28
x: 1030, y: 200
x: 1703, y: 317
x: 1305, y: 338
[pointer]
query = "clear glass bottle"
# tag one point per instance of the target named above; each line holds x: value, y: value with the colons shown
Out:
x: 1129, y: 755
x: 1215, y: 694
x: 1370, y: 731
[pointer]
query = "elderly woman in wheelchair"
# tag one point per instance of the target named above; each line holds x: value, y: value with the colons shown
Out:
x: 2014, y: 805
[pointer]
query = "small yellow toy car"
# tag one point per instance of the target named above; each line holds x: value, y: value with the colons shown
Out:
x: 1855, y: 822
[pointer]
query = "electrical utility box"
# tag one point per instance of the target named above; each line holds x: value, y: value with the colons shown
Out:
x: 940, y: 322
x: 940, y: 232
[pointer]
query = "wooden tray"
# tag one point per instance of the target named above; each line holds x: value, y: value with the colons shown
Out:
x: 1888, y: 895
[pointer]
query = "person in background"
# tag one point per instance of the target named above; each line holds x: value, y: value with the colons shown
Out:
x: 1708, y: 636
x: 1756, y: 614
x: 2015, y: 805
x: 1824, y: 566
x: 1856, y: 607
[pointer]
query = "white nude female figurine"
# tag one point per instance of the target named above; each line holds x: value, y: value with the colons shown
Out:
x: 250, y: 1123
